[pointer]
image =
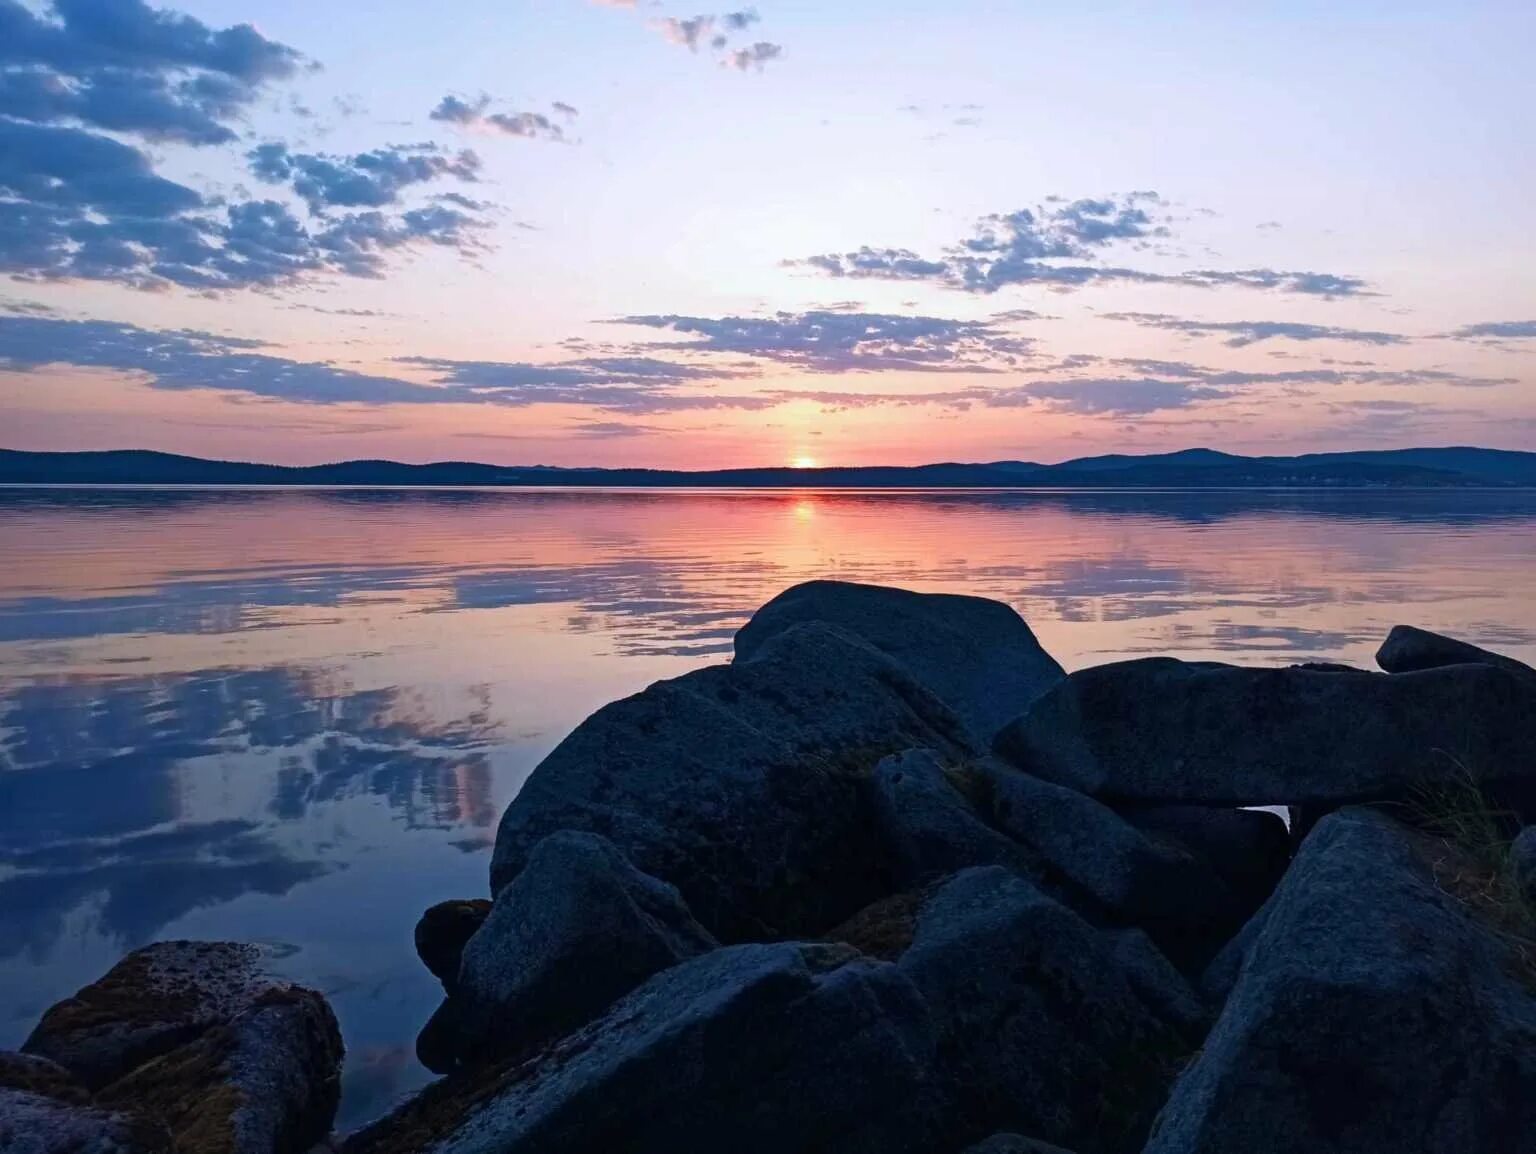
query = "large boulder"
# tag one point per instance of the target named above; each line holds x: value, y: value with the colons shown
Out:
x: 1105, y: 865
x: 758, y: 1049
x: 40, y: 1076
x: 1159, y: 730
x: 1040, y: 1028
x: 576, y: 930
x: 154, y: 1000
x: 1408, y: 648
x: 1379, y: 1010
x: 742, y: 784
x: 266, y: 1083
x: 201, y: 1040
x: 38, y: 1124
x: 928, y: 829
x: 977, y: 655
x: 442, y: 932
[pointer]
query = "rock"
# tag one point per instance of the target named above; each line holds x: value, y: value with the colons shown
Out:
x: 977, y: 655
x: 154, y: 1000
x: 1040, y: 1029
x: 200, y: 1037
x: 1407, y: 649
x: 38, y: 1124
x: 576, y: 930
x: 442, y: 932
x: 1221, y: 975
x: 1522, y: 864
x: 268, y: 1082
x: 758, y: 1049
x: 1377, y: 1012
x: 1164, y: 731
x: 1158, y: 983
x: 1248, y: 849
x: 1103, y: 864
x: 741, y: 784
x: 1013, y: 1144
x: 927, y: 828
x: 40, y: 1076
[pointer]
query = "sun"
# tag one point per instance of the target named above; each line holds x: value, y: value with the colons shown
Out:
x: 802, y: 462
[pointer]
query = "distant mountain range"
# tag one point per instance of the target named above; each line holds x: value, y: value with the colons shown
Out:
x: 1189, y: 468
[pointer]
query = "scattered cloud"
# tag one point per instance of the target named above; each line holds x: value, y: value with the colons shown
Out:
x: 1239, y: 334
x: 126, y: 67
x: 1057, y: 245
x: 364, y: 180
x: 474, y: 114
x: 714, y: 32
x: 1496, y: 331
x: 79, y: 204
x: 754, y: 56
x: 835, y: 341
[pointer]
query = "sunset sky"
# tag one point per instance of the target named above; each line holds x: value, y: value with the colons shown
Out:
x: 567, y: 232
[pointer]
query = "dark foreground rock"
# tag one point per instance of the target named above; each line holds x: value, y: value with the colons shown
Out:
x: 741, y: 784
x: 441, y: 933
x: 759, y: 1049
x: 927, y: 829
x: 1110, y: 865
x: 576, y: 930
x: 1013, y: 1144
x: 975, y: 654
x: 994, y: 1008
x: 1040, y: 1027
x: 195, y: 1040
x: 37, y: 1124
x: 1377, y: 1012
x: 1159, y: 730
x: 1407, y: 649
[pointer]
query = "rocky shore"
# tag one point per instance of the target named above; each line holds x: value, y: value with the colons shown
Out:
x: 891, y: 881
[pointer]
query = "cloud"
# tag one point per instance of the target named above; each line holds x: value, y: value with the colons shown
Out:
x: 77, y: 204
x: 689, y: 33
x: 185, y: 359
x: 1496, y: 331
x: 122, y: 66
x: 528, y: 125
x: 363, y: 180
x: 1057, y: 245
x: 715, y: 32
x: 1242, y: 333
x: 755, y: 56
x: 834, y: 341
x: 1120, y: 397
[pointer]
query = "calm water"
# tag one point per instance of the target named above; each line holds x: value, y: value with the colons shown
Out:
x: 295, y: 716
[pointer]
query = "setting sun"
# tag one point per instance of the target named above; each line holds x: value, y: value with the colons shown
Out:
x: 802, y: 462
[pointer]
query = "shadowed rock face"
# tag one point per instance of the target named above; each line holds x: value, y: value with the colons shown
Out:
x: 1407, y: 649
x: 152, y: 1001
x: 755, y: 1048
x: 576, y: 930
x: 1375, y: 1013
x: 1160, y: 730
x: 194, y: 1040
x: 742, y: 784
x: 36, y: 1124
x: 977, y: 655
x: 1041, y: 1028
x: 1013, y: 1144
x: 442, y: 932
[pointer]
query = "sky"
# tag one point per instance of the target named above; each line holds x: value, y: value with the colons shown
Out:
x: 577, y: 233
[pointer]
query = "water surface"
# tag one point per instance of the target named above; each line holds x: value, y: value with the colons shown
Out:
x: 294, y: 716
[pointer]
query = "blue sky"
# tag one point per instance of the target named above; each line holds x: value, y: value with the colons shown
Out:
x: 575, y: 232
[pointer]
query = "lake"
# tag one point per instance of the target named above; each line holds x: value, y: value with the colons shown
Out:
x: 294, y: 716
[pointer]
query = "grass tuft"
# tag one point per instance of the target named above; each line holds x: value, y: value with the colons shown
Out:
x: 1472, y: 858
